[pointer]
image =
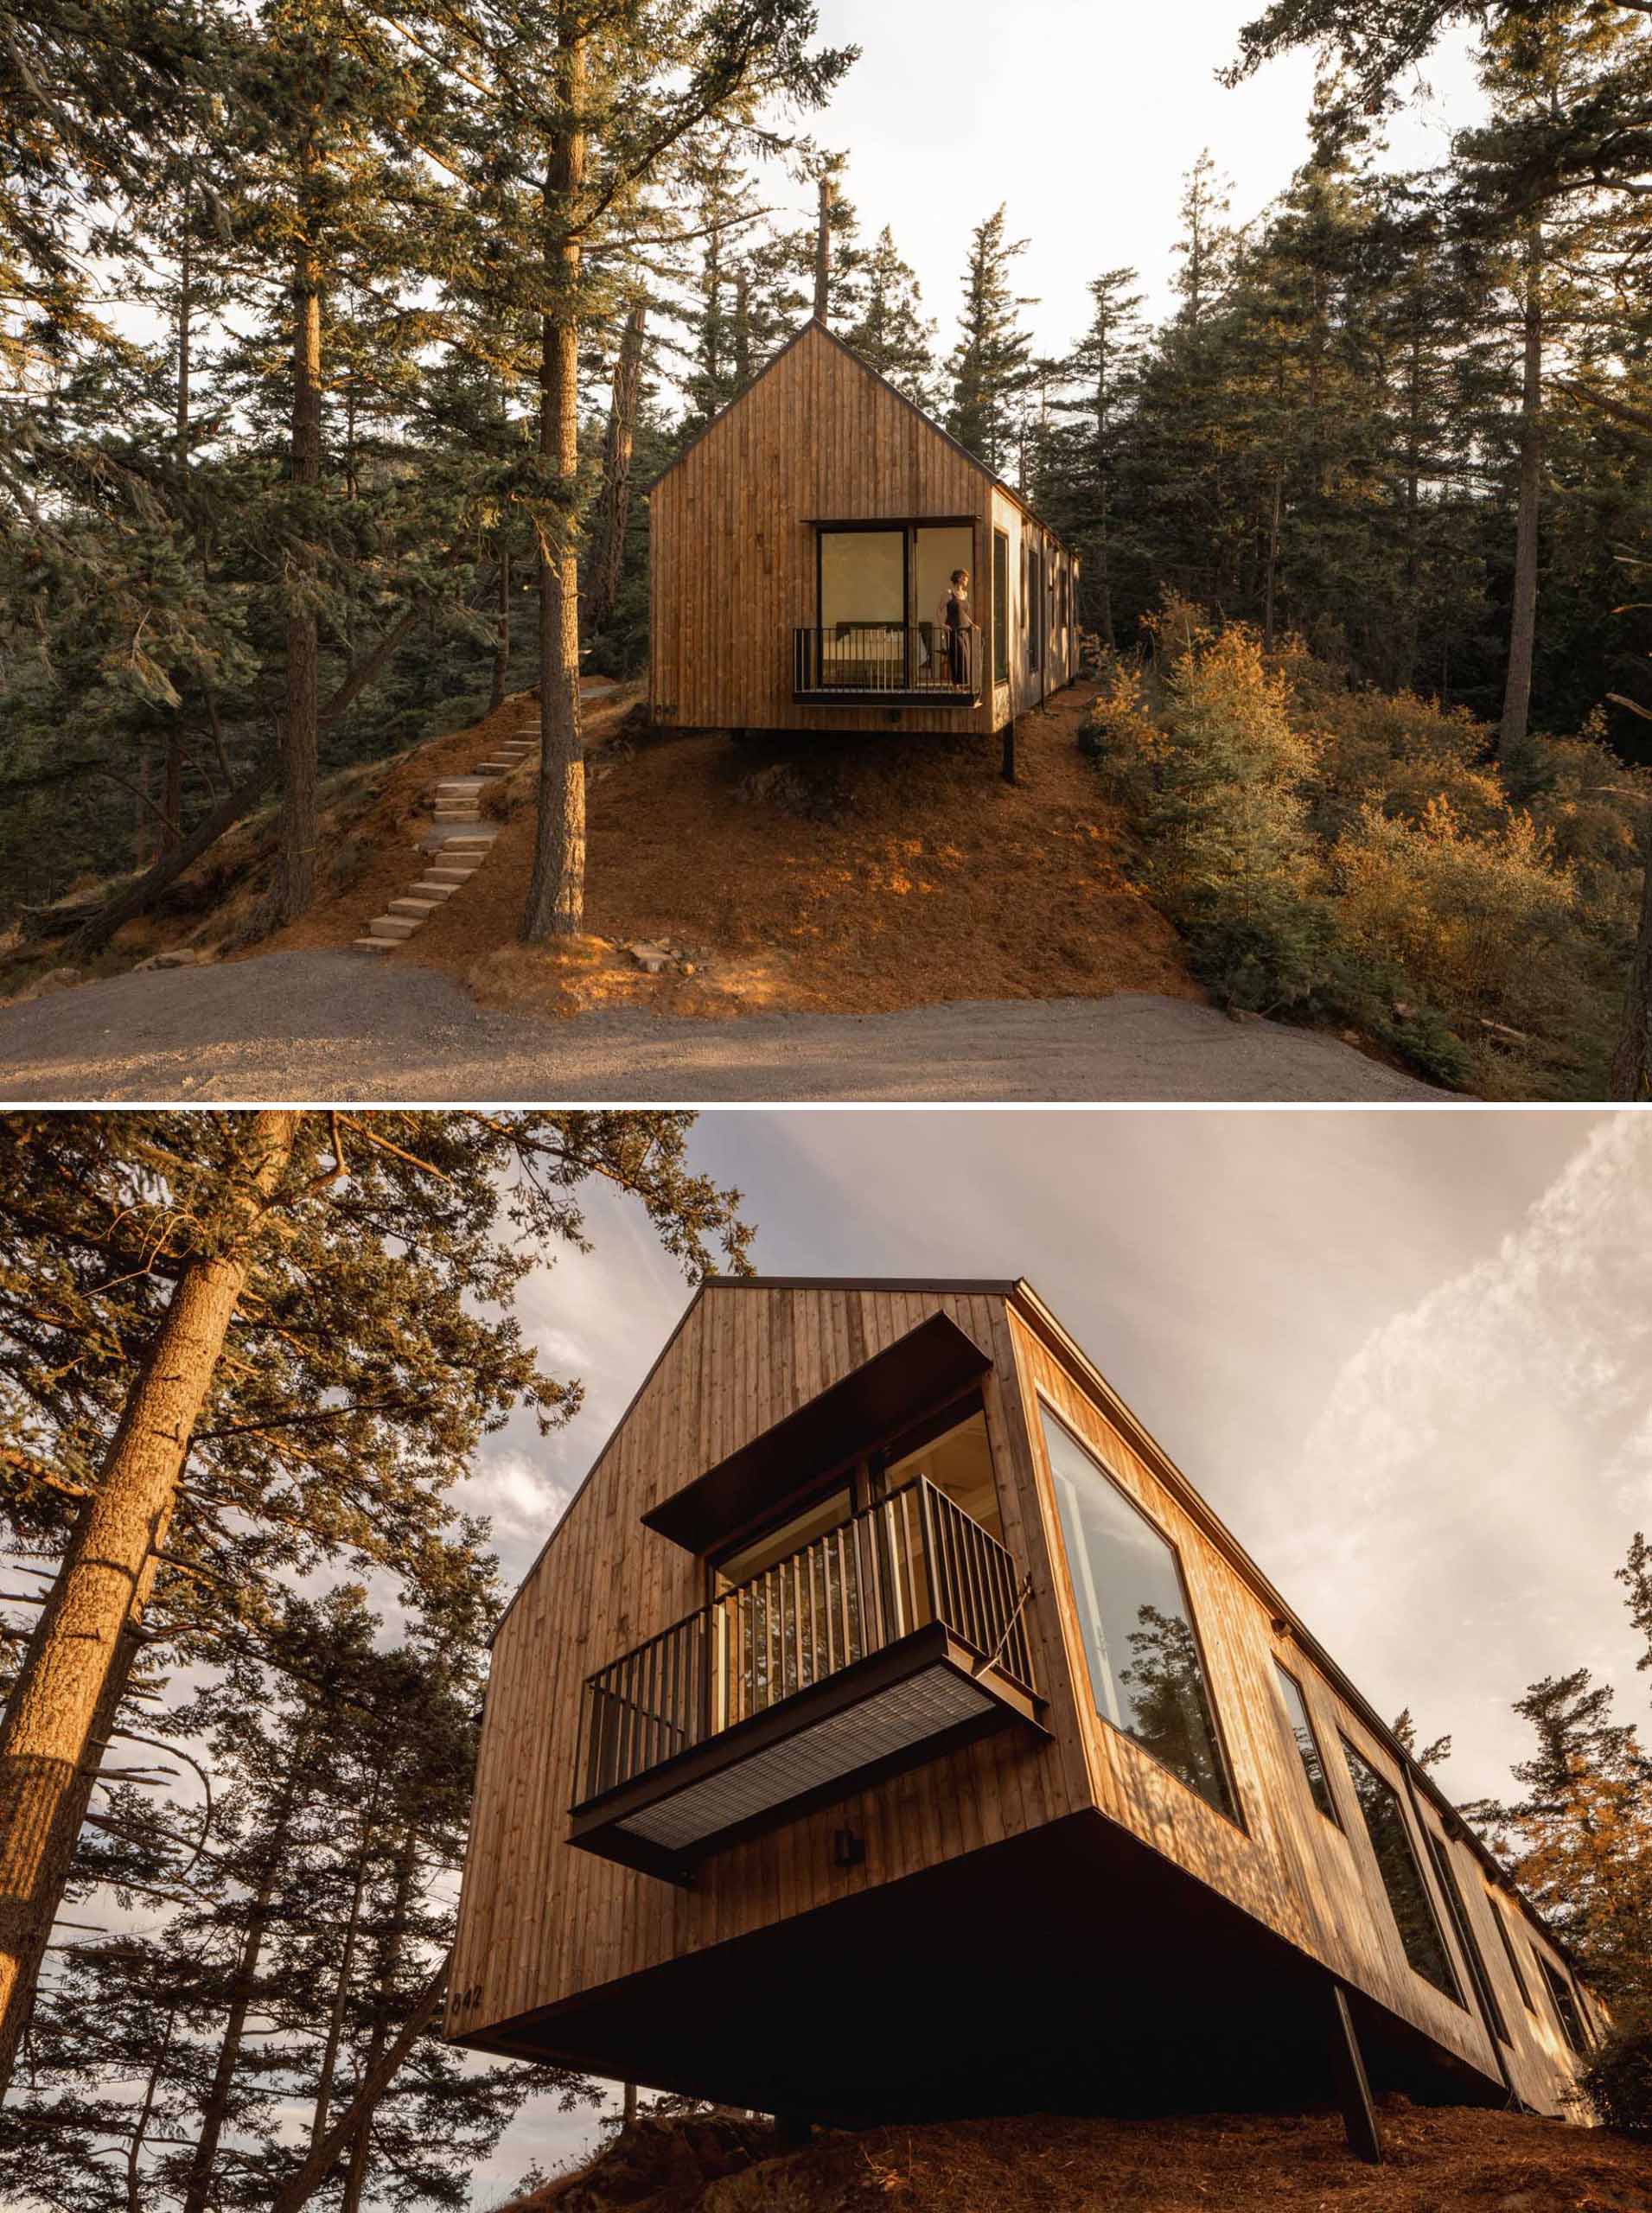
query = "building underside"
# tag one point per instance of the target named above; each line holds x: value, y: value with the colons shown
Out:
x: 1071, y: 1969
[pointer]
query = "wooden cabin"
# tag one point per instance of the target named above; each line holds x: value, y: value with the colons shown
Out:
x: 800, y: 551
x: 889, y: 1729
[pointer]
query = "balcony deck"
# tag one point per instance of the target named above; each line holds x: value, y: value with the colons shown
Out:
x: 888, y: 1641
x: 884, y: 664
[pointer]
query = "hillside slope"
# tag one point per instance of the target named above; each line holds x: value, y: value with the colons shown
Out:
x: 853, y: 876
x: 1437, y: 2161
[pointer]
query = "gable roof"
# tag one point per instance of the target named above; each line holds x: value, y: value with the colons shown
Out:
x: 894, y: 390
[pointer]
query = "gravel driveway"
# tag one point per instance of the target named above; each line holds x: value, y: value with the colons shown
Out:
x: 337, y: 1026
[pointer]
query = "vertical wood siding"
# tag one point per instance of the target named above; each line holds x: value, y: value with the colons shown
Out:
x: 732, y: 554
x: 1314, y: 1882
x: 539, y: 1921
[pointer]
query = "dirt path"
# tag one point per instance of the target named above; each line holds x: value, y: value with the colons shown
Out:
x: 339, y: 1026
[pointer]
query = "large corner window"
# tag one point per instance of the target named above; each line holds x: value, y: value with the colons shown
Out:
x: 1000, y: 607
x: 1402, y: 1876
x: 1302, y: 1728
x: 1146, y: 1676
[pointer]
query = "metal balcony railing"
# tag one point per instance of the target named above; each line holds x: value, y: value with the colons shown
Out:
x: 912, y: 1559
x: 857, y: 658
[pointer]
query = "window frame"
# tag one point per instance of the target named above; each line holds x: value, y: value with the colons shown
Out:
x: 1457, y: 1908
x: 909, y: 527
x: 861, y: 1472
x: 1332, y: 1811
x: 1001, y: 597
x: 1558, y: 1983
x: 1507, y: 1934
x: 1233, y: 1812
x: 1350, y: 1753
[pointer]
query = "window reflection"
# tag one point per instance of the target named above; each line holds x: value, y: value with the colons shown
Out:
x: 1302, y: 1729
x: 1402, y: 1877
x: 959, y: 1463
x: 1146, y: 1672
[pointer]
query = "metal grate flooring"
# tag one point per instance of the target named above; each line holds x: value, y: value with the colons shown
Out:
x: 903, y: 1715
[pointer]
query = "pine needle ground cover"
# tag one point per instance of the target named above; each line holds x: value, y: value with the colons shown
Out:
x: 1469, y: 2160
x: 849, y: 875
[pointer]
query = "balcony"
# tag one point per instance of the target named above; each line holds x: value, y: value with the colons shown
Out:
x: 889, y: 1640
x: 883, y: 664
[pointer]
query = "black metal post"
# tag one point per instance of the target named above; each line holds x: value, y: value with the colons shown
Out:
x: 1359, y: 2114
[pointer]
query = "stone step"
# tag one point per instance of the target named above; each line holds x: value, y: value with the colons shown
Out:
x: 430, y: 890
x: 410, y: 905
x: 376, y: 944
x: 452, y: 872
x: 457, y: 787
x: 391, y: 925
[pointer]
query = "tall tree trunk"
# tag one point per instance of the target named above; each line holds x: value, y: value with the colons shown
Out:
x: 341, y: 1988
x: 502, y: 628
x: 295, y: 886
x: 1632, y: 1062
x: 555, y: 898
x: 823, y: 252
x: 61, y: 1700
x: 140, y: 2127
x: 303, y: 2186
x: 1273, y: 557
x: 614, y: 501
x: 215, y: 2110
x: 1411, y: 639
x: 186, y: 306
x: 172, y: 792
x: 630, y: 2113
x: 355, y: 2179
x: 1522, y: 630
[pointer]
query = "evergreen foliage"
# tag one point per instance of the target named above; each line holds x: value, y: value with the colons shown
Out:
x: 288, y: 1910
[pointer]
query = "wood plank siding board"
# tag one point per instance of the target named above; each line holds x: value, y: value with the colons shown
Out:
x: 542, y: 1923
x: 733, y: 541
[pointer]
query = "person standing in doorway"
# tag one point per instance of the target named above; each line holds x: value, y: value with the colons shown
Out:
x: 960, y: 628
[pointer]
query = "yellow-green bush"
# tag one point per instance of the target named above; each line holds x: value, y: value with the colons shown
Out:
x: 1485, y: 920
x: 1364, y: 859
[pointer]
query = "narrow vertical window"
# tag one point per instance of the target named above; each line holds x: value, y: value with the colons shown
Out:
x: 1402, y: 1875
x: 1302, y: 1728
x: 1458, y: 1906
x: 1000, y: 608
x: 1146, y: 1676
x: 1565, y: 2005
x: 1511, y: 1954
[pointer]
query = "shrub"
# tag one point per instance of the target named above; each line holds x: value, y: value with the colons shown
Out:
x: 1480, y: 920
x: 1617, y: 2083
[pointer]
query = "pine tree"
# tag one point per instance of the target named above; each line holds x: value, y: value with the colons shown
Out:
x: 263, y: 1348
x: 1580, y: 1837
x: 1104, y: 370
x: 891, y: 334
x: 586, y: 119
x: 991, y: 367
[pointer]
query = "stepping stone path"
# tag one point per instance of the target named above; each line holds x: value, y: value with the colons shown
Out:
x: 459, y: 848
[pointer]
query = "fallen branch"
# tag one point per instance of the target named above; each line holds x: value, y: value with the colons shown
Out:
x: 102, y: 925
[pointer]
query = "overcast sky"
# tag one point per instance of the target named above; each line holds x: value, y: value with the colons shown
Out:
x: 1406, y: 1356
x: 1083, y: 119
